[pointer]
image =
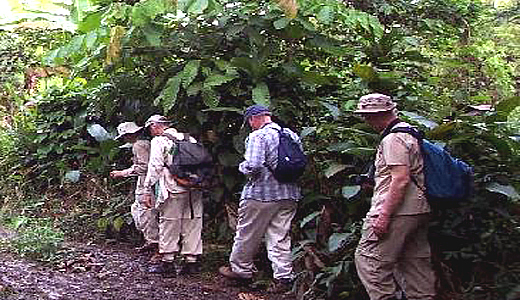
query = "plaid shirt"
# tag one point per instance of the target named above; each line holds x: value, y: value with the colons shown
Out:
x: 262, y: 151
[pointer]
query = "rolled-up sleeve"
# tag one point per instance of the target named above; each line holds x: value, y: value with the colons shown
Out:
x: 141, y: 151
x: 155, y: 164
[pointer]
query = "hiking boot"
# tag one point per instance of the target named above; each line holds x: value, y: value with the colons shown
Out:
x: 280, y: 286
x: 229, y: 274
x: 148, y: 247
x: 189, y: 268
x: 166, y: 268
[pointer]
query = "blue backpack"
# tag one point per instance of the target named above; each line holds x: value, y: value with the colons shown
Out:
x: 291, y: 160
x: 445, y: 177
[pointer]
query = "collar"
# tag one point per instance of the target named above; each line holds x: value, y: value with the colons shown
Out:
x: 389, y: 127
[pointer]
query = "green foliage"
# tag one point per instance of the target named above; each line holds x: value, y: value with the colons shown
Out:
x: 35, y: 238
x: 203, y: 65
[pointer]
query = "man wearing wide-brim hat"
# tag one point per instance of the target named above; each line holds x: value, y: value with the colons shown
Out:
x: 145, y: 218
x: 180, y: 208
x: 394, y: 253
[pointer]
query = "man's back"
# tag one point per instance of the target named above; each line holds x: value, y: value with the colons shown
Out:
x: 399, y: 149
x: 260, y: 157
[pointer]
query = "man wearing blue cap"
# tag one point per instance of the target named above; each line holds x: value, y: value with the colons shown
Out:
x: 266, y: 208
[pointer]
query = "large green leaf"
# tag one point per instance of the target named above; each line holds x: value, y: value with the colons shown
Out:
x: 193, y: 6
x: 361, y: 151
x: 334, y: 168
x: 77, y: 43
x: 216, y: 80
x: 145, y: 11
x: 190, y: 71
x: 326, y: 15
x: 168, y: 96
x: 152, y: 35
x: 91, y: 39
x: 340, y: 147
x: 90, y: 22
x: 350, y: 191
x: 210, y: 97
x: 420, y: 119
x: 366, y: 72
x: 281, y: 23
x: 261, y: 94
x: 194, y: 89
x: 309, y: 218
x: 505, y: 107
x: 338, y: 239
x: 118, y: 223
x: 507, y: 190
x: 249, y: 65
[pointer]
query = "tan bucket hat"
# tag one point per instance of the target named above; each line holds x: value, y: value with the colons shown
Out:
x: 127, y: 128
x: 375, y: 103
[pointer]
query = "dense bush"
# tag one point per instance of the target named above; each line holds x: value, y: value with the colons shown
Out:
x: 201, y: 68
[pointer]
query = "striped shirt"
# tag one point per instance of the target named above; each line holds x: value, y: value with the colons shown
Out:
x: 261, y: 152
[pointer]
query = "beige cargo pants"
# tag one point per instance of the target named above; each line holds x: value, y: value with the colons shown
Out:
x: 256, y: 220
x: 398, y: 261
x: 180, y: 226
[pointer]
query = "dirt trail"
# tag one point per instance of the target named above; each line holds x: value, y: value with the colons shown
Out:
x: 112, y: 272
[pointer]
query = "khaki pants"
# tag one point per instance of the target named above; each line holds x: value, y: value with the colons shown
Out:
x: 401, y: 256
x: 258, y: 219
x: 180, y: 226
x: 146, y: 220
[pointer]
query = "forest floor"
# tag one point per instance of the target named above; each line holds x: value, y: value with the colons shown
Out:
x: 116, y: 271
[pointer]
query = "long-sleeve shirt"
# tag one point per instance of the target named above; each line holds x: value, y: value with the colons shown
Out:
x: 141, y: 153
x: 262, y: 154
x: 160, y: 158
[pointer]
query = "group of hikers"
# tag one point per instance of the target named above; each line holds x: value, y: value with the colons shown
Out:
x: 393, y: 255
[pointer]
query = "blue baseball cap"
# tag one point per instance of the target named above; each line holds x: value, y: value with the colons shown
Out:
x: 256, y: 110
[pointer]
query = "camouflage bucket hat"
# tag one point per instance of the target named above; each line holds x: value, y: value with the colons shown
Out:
x: 375, y: 103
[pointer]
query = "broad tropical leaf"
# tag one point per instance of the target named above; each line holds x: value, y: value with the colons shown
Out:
x: 261, y: 94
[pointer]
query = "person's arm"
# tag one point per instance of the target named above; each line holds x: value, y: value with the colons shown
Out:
x: 155, y: 168
x: 396, y: 154
x: 141, y: 157
x: 400, y: 180
x: 254, y: 156
x: 141, y: 153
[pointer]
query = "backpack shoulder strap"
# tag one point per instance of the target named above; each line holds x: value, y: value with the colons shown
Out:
x: 170, y: 136
x: 419, y: 135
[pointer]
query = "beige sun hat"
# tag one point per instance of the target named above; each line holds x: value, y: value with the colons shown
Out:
x: 375, y: 103
x: 156, y: 119
x: 127, y: 128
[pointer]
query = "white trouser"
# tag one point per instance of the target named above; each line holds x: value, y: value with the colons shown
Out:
x: 258, y: 219
x: 180, y: 226
x: 146, y: 220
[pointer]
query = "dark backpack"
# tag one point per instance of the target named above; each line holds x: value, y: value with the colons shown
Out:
x: 291, y: 160
x: 192, y: 164
x: 445, y: 177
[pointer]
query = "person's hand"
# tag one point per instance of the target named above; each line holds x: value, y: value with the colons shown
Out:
x: 115, y: 174
x: 381, y: 224
x: 147, y: 201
